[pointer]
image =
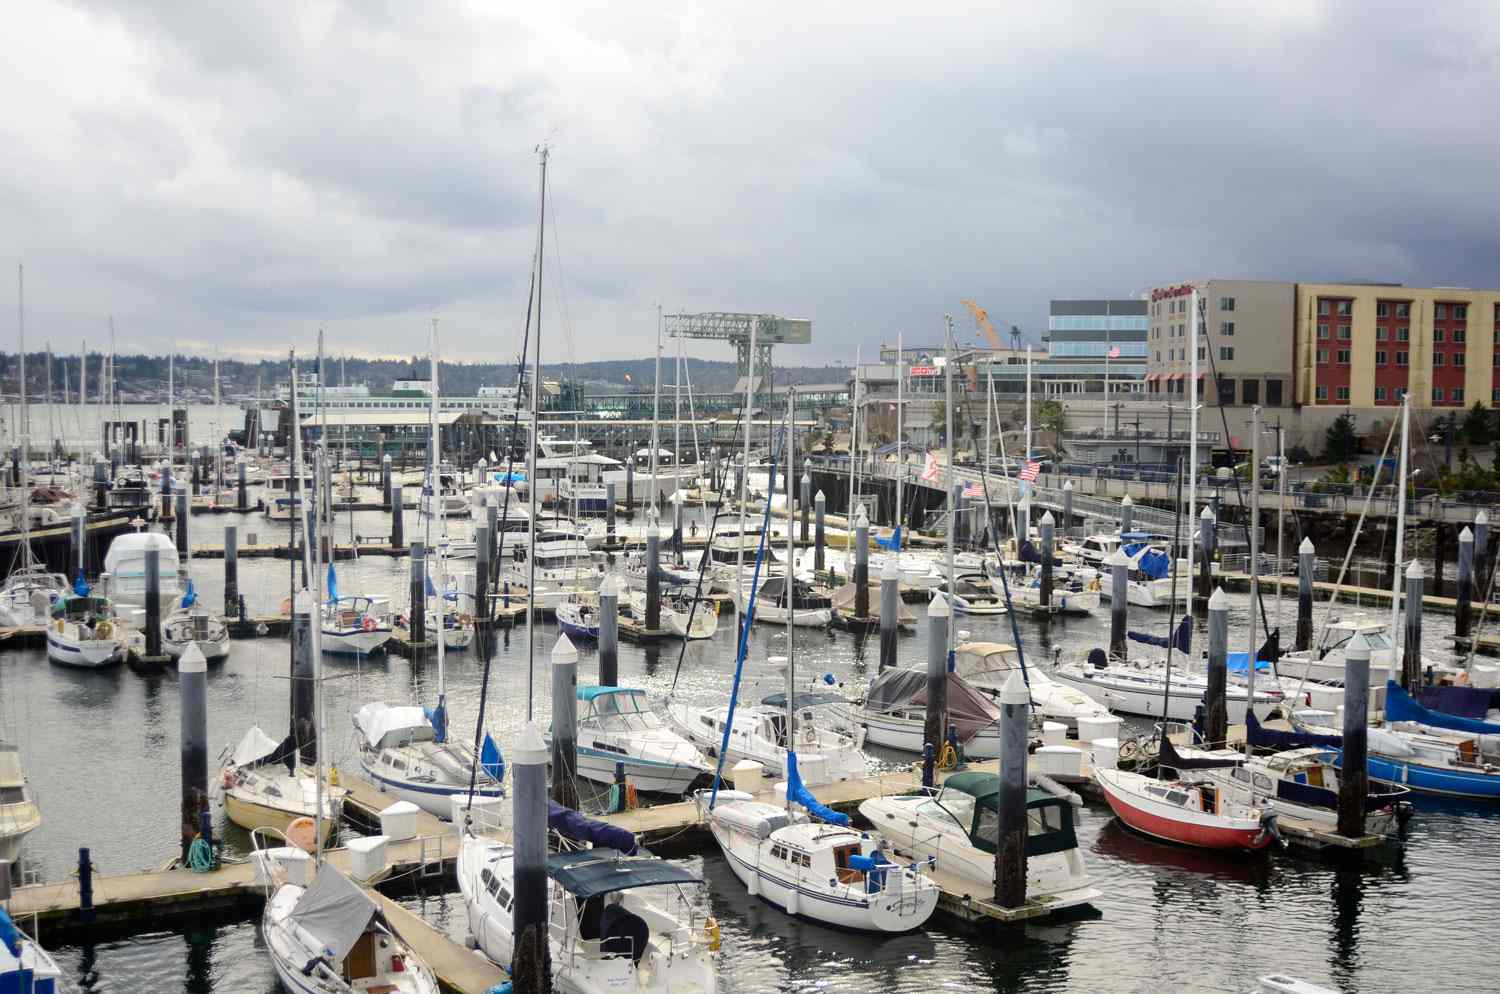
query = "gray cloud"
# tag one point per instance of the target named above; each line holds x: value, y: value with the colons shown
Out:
x: 241, y: 175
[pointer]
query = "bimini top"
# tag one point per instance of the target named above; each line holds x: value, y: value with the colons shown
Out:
x: 589, y: 693
x: 131, y: 547
x: 985, y: 787
x: 1049, y: 819
x: 801, y: 699
x: 383, y: 725
x: 587, y: 873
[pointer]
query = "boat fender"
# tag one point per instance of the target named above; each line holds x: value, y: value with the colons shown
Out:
x: 368, y: 624
x: 631, y: 800
x: 333, y: 777
x: 949, y: 758
x: 227, y: 778
x: 714, y: 938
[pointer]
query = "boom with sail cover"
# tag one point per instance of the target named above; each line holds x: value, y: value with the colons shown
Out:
x: 1401, y: 706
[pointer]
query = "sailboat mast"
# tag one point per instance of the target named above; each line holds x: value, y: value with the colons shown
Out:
x: 900, y: 433
x: 1397, y: 575
x: 655, y: 410
x: 1192, y: 467
x: 791, y: 581
x: 948, y: 430
x: 853, y: 458
x: 741, y: 602
x: 432, y: 509
x: 677, y: 420
x: 541, y: 229
x: 21, y: 332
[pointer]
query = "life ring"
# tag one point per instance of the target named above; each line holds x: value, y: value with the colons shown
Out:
x: 949, y: 757
x: 368, y: 624
x: 104, y: 630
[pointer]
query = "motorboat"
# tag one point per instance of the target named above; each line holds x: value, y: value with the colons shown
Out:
x: 824, y: 871
x: 19, y: 814
x: 1324, y: 663
x: 1149, y: 581
x: 1191, y: 812
x: 893, y: 714
x: 1298, y: 783
x: 356, y: 625
x: 972, y: 593
x: 1075, y: 596
x: 564, y: 564
x: 25, y: 967
x: 578, y: 616
x: 759, y: 734
x: 458, y: 628
x: 913, y: 570
x: 124, y: 578
x: 85, y: 632
x: 987, y: 665
x: 1092, y: 550
x: 618, y: 922
x: 809, y: 608
x: 282, y: 500
x: 26, y: 596
x: 669, y: 577
x: 192, y: 624
x: 616, y: 726
x: 330, y: 937
x: 402, y: 753
x: 1142, y: 687
x: 679, y: 614
x: 265, y: 789
x: 959, y: 825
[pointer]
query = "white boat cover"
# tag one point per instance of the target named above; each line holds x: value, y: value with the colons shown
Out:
x: 130, y: 550
x: 383, y: 725
x: 335, y: 911
x: 254, y: 747
x: 756, y: 817
x: 985, y: 663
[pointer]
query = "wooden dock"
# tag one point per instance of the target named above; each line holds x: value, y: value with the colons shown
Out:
x: 1323, y: 591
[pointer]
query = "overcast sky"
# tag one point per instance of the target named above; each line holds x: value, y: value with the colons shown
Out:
x: 239, y: 174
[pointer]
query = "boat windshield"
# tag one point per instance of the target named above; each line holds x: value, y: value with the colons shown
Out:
x: 627, y: 710
x: 1378, y: 638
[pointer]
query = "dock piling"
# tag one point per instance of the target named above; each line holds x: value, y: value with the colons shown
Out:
x: 609, y: 512
x: 80, y: 533
x: 890, y: 607
x: 1067, y: 508
x: 677, y: 524
x: 182, y: 526
x: 1464, y: 611
x: 417, y: 622
x: 653, y: 573
x: 196, y: 474
x: 956, y: 508
x: 385, y: 480
x: 565, y: 723
x: 242, y: 485
x: 529, y: 964
x: 1354, y: 774
x: 483, y: 615
x: 1207, y: 542
x: 192, y: 673
x: 1010, y: 854
x: 85, y: 886
x: 861, y: 564
x: 166, y: 490
x: 629, y: 483
x: 820, y: 505
x: 231, y: 571
x: 803, y: 503
x: 1216, y: 711
x: 304, y: 728
x: 1023, y: 522
x: 1411, y: 652
x: 609, y: 631
x: 1307, y: 564
x: 398, y: 519
x: 1046, y: 528
x: 1119, y: 581
x: 1482, y: 548
x: 1127, y: 515
x: 153, y: 603
x: 937, y: 673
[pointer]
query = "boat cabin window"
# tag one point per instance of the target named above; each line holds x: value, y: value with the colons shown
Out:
x: 12, y: 795
x: 960, y: 806
x: 1263, y: 782
x: 1241, y: 774
x: 1049, y: 828
x: 1044, y: 819
x: 934, y: 810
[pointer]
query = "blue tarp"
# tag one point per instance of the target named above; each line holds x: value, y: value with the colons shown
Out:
x: 490, y: 759
x: 798, y: 792
x: 80, y: 586
x: 1239, y: 662
x: 1399, y: 706
x: 572, y: 825
x: 189, y: 596
x: 1271, y: 739
x: 438, y: 718
x: 1466, y: 702
x: 893, y: 543
x: 1182, y: 641
x: 333, y: 583
x: 1154, y: 564
x: 9, y: 934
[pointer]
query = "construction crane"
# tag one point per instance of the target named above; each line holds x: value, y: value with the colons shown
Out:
x: 982, y: 321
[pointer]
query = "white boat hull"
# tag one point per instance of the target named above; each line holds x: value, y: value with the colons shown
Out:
x: 650, y: 776
x: 433, y: 798
x: 906, y: 734
x: 1182, y: 701
x: 88, y: 654
x: 355, y: 642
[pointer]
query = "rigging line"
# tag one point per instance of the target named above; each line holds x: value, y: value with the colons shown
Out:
x: 703, y: 566
x: 1166, y: 693
x: 1015, y: 630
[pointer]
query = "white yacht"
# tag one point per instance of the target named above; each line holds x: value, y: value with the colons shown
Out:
x: 564, y: 565
x: 617, y: 726
x: 760, y: 734
x: 86, y: 632
x: 194, y: 625
x: 27, y: 595
x: 679, y: 615
x: 893, y: 714
x: 356, y: 625
x: 1141, y: 687
x: 810, y: 608
x: 400, y: 753
x: 1324, y: 663
x: 124, y: 578
x: 987, y: 665
x: 19, y: 814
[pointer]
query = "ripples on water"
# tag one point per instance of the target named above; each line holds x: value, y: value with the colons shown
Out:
x: 101, y: 749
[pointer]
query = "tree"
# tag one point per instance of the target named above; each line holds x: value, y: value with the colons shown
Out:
x: 1050, y: 416
x: 1341, y: 444
x: 1478, y: 426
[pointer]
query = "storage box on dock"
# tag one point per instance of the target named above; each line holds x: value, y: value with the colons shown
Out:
x: 1106, y: 753
x: 1091, y: 729
x: 749, y: 776
x: 399, y: 821
x: 1058, y: 761
x: 1054, y: 733
x: 366, y: 857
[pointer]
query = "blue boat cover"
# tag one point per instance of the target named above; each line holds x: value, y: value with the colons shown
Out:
x: 1154, y: 564
x: 1272, y: 739
x: 490, y: 759
x: 1466, y: 702
x: 1182, y: 641
x: 333, y: 583
x: 797, y: 791
x: 9, y: 934
x: 80, y: 586
x: 438, y: 718
x: 1399, y: 706
x: 579, y: 828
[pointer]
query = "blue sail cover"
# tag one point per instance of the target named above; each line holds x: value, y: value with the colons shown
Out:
x: 893, y: 543
x: 80, y: 586
x: 189, y: 596
x: 1399, y: 706
x: 490, y: 759
x: 572, y: 825
x: 438, y: 718
x: 1269, y: 738
x: 797, y: 791
x: 333, y: 584
x: 9, y: 934
x: 1182, y: 640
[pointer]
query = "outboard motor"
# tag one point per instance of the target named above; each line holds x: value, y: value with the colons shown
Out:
x: 1268, y: 826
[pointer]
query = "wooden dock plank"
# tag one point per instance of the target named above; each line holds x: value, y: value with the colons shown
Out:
x: 457, y: 968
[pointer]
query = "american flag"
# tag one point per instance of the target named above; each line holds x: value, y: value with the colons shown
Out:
x: 975, y: 489
x: 1030, y: 471
x: 1114, y: 353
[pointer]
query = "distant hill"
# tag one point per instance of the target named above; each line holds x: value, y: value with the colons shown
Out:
x: 144, y: 377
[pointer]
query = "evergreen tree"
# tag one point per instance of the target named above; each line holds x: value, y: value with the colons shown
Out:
x: 1341, y: 444
x: 1477, y: 426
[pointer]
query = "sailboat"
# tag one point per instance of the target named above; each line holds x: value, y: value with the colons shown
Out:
x: 192, y: 624
x: 823, y: 870
x: 25, y: 967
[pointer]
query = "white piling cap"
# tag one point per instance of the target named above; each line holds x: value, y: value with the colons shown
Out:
x: 1306, y: 546
x: 192, y: 660
x: 303, y: 602
x: 1208, y: 513
x: 530, y: 748
x: 1482, y: 518
x: 889, y: 570
x: 1414, y: 571
x: 1014, y: 691
x: 1218, y: 600
x: 938, y: 606
x: 861, y: 519
x: 1466, y: 535
x: 564, y: 651
x: 806, y: 476
x: 610, y: 587
x: 1047, y: 519
x: 78, y: 510
x: 819, y: 498
x: 1068, y: 485
x: 1127, y: 502
x: 1118, y: 558
x: 1357, y: 648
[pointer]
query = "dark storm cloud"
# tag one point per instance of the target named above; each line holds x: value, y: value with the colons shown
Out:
x: 239, y: 174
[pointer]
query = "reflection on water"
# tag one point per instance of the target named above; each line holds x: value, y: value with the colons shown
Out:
x: 101, y: 751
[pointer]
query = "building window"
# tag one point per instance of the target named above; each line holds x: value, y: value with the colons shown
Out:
x: 1460, y: 336
x: 1401, y: 358
x: 1439, y: 313
x: 1226, y: 391
x: 1344, y: 307
x: 1458, y: 358
x: 1323, y: 331
x: 1381, y: 308
x: 1344, y: 357
x: 1403, y: 310
x: 1226, y: 303
x: 1379, y: 393
x: 1322, y: 355
x: 1460, y: 312
x: 1380, y: 334
x: 1343, y: 393
x: 1345, y: 333
x: 1437, y: 392
x: 1226, y: 327
x: 1400, y: 394
x: 1273, y: 393
x: 1250, y: 390
x: 1403, y: 334
x: 1437, y: 359
x: 1495, y: 396
x: 1158, y: 355
x: 1437, y: 335
x: 1203, y: 353
x: 1226, y: 352
x: 1458, y: 395
x: 1321, y: 393
x: 1380, y: 358
x: 1323, y: 307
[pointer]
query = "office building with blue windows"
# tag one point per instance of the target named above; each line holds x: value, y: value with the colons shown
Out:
x: 1082, y: 339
